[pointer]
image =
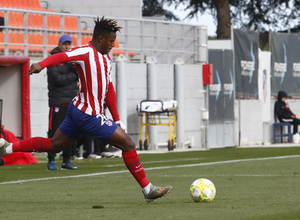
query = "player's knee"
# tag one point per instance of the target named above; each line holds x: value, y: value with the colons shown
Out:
x: 129, y: 145
x: 54, y: 148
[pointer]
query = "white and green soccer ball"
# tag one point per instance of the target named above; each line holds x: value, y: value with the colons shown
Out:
x: 203, y: 190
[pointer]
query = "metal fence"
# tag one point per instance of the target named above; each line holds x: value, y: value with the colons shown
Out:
x: 35, y: 33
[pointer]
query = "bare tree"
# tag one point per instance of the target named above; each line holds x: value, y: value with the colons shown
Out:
x: 264, y: 15
x: 155, y: 7
x: 223, y: 17
x: 218, y: 8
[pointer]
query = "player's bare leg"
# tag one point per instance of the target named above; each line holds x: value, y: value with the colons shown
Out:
x: 59, y: 141
x: 37, y: 144
x: 121, y: 140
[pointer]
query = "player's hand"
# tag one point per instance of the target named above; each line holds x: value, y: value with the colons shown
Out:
x: 287, y: 106
x: 35, y: 68
x: 121, y: 124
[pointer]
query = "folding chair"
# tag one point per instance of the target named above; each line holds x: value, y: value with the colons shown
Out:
x: 282, y: 133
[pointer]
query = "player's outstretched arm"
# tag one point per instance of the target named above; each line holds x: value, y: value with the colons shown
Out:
x: 53, y: 60
x: 35, y: 68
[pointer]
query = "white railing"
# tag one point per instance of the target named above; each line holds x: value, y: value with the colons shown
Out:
x: 37, y: 32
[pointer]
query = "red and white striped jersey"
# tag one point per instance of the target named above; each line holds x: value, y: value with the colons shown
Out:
x: 94, y: 74
x: 94, y: 71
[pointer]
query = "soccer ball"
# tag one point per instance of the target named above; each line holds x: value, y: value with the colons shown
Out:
x: 203, y: 190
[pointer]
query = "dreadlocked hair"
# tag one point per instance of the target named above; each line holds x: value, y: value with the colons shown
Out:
x: 104, y: 26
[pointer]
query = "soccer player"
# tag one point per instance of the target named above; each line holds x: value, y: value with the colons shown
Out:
x: 85, y: 112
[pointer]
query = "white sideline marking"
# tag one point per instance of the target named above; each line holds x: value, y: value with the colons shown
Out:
x: 237, y: 175
x: 159, y: 161
x: 153, y: 168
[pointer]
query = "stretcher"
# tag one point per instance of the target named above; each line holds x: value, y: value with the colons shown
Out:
x: 157, y: 113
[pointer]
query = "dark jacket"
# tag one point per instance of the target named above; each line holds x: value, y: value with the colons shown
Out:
x: 62, y: 82
x: 281, y: 110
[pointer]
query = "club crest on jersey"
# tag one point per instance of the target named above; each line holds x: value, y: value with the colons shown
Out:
x: 56, y: 109
x: 109, y: 122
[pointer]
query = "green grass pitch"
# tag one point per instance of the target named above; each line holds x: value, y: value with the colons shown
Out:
x: 251, y: 183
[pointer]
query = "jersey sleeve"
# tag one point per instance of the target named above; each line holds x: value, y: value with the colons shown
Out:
x: 74, y: 55
x: 111, y: 102
x: 54, y: 60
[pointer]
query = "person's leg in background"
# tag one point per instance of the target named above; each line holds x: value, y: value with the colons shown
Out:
x: 105, y: 150
x: 296, y: 123
x: 87, y: 145
x: 51, y: 161
x: 56, y: 117
x: 97, y: 147
x: 1, y: 162
x: 75, y: 148
x: 53, y: 125
x: 67, y: 158
x: 89, y: 153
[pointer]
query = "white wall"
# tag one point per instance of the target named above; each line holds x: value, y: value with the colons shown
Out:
x: 219, y: 44
x: 11, y: 93
x: 251, y: 122
x: 39, y: 103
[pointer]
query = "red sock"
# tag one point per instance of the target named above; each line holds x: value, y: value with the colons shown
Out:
x: 135, y: 167
x: 36, y: 144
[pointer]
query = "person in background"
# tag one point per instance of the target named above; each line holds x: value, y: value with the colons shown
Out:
x: 87, y: 141
x: 284, y: 113
x: 62, y: 88
x: 1, y: 23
